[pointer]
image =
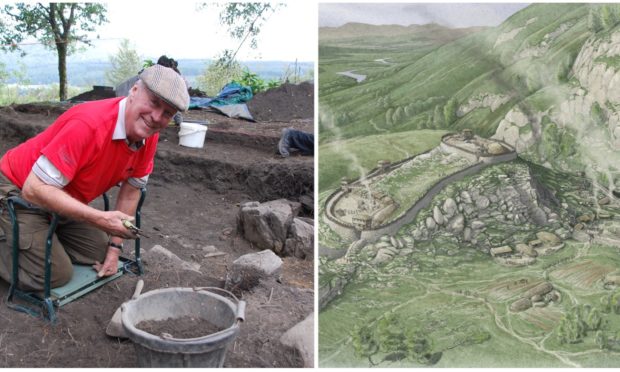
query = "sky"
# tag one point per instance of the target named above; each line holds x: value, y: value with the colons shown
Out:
x: 453, y: 15
x: 176, y: 28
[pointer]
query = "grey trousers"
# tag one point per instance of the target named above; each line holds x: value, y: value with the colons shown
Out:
x: 73, y: 242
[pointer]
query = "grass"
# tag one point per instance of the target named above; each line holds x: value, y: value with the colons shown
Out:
x: 353, y: 157
x: 451, y: 301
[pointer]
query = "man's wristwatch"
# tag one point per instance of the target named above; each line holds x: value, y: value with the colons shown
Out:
x: 119, y: 246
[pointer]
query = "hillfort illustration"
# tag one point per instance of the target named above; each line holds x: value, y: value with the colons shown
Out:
x: 469, y: 207
x: 366, y: 208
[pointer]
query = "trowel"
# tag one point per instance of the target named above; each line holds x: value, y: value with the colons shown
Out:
x: 115, y: 327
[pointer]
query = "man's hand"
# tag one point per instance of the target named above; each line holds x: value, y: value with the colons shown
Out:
x: 110, y: 265
x: 112, y: 222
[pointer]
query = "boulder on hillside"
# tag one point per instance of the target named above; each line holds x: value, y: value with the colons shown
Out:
x: 300, y: 240
x: 248, y: 269
x: 266, y: 225
x: 301, y: 337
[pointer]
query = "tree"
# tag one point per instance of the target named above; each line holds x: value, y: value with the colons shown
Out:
x: 364, y: 344
x: 244, y: 22
x: 595, y: 24
x: 55, y: 25
x: 218, y: 74
x: 125, y: 64
x: 438, y: 119
x: 449, y: 111
x: 609, y: 17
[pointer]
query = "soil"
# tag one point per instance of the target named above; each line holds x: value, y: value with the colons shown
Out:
x: 288, y: 101
x: 190, y: 209
x: 182, y: 327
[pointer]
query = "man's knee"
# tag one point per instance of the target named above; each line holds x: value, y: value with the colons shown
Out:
x: 61, y: 274
x: 32, y: 261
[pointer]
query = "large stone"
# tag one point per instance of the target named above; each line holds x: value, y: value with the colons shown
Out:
x: 525, y: 249
x: 266, y: 225
x: 355, y: 247
x: 457, y: 224
x: 449, y: 207
x: 477, y: 225
x: 430, y: 223
x: 538, y: 216
x: 300, y: 241
x: 248, y: 269
x: 168, y: 260
x: 384, y: 255
x: 467, y: 234
x: 438, y: 216
x: 301, y: 337
x: 548, y: 238
x: 482, y: 202
x: 521, y: 305
x: 541, y: 289
x: 465, y: 197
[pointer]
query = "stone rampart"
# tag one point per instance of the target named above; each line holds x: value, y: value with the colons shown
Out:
x: 349, y: 231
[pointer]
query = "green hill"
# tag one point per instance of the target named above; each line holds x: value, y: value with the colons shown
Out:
x: 479, y: 79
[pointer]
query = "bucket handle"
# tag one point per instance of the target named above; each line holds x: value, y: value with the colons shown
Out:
x: 240, y: 303
x: 190, y: 132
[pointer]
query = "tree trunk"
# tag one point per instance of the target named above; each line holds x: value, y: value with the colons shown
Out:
x: 62, y: 69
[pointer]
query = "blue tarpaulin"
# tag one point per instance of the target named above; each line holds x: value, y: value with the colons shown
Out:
x: 232, y: 93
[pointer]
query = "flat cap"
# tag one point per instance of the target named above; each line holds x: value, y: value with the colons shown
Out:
x: 167, y: 84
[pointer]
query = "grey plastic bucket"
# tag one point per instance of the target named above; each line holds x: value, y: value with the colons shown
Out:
x: 163, y: 351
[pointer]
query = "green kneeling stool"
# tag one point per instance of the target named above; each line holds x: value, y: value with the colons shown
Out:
x: 84, y: 278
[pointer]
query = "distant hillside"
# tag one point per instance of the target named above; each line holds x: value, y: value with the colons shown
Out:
x: 42, y: 67
x: 362, y: 30
x: 541, y: 81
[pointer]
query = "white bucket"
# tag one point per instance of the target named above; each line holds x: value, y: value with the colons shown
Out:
x: 192, y: 135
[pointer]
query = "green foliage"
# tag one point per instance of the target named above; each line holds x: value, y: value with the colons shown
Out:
x: 147, y: 63
x: 16, y: 94
x: 611, y: 303
x: 557, y: 143
x: 597, y: 114
x: 218, y: 74
x: 364, y: 344
x: 576, y: 324
x: 255, y: 82
x: 55, y: 25
x: 292, y: 74
x: 244, y: 21
x: 449, y: 111
x: 125, y: 64
x: 392, y: 337
x: 609, y: 16
x: 4, y: 75
x: 595, y: 24
x: 46, y: 93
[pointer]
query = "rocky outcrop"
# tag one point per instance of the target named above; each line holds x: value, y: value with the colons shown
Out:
x: 484, y: 100
x: 273, y: 225
x: 300, y: 240
x: 483, y: 203
x: 519, y: 130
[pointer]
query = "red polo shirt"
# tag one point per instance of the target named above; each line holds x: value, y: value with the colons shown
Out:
x: 79, y: 143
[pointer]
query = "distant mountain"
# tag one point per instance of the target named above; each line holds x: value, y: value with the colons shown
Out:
x: 361, y: 30
x: 41, y: 67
